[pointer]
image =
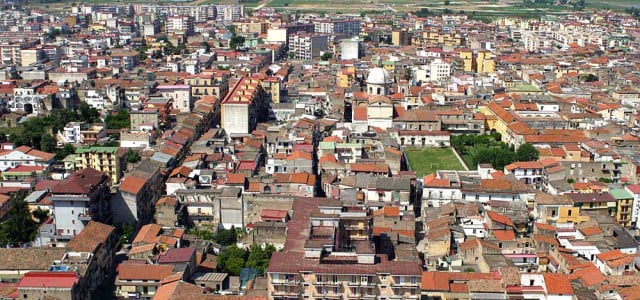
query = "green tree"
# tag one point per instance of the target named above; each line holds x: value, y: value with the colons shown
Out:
x: 326, y: 56
x: 527, y: 152
x: 591, y: 78
x: 41, y: 214
x: 236, y: 41
x: 226, y: 237
x: 118, y: 121
x: 259, y: 258
x: 19, y: 227
x: 132, y: 156
x: 447, y: 2
x: 232, y: 260
x: 47, y: 143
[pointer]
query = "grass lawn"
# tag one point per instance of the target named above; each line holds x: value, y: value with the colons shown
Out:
x: 427, y: 160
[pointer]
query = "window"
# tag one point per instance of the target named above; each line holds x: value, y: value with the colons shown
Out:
x: 569, y: 212
x: 383, y: 277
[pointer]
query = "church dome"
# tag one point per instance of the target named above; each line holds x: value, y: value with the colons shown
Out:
x: 378, y: 76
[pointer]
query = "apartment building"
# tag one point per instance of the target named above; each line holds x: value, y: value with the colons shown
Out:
x: 229, y: 12
x: 208, y: 84
x: 80, y: 198
x: 81, y: 133
x: 243, y: 107
x: 401, y: 37
x: 307, y: 46
x: 181, y: 95
x: 348, y: 27
x: 180, y: 25
x: 323, y: 259
x: 103, y: 159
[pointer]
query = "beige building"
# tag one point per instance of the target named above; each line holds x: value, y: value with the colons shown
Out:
x: 401, y: 37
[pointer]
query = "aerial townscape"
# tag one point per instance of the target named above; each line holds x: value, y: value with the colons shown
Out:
x: 340, y: 150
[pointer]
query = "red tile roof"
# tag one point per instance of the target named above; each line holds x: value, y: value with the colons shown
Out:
x: 81, y: 182
x: 177, y: 255
x: 132, y: 185
x: 273, y: 214
x: 502, y: 219
x: 88, y: 240
x: 61, y: 280
x: 558, y: 284
x: 504, y: 235
x: 236, y: 178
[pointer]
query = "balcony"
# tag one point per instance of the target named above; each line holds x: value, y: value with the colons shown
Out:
x: 85, y: 217
x: 285, y: 282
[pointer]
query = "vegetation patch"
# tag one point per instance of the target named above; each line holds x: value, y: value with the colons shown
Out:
x: 425, y: 161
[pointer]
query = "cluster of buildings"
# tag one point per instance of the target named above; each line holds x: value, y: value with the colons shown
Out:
x: 297, y: 137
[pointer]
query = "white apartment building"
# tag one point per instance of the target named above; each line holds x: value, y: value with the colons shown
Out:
x: 307, y: 46
x: 181, y: 95
x: 229, y: 13
x: 436, y: 71
x: 180, y: 24
x: 349, y: 27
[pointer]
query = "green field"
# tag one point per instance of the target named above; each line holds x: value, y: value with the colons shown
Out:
x: 428, y: 160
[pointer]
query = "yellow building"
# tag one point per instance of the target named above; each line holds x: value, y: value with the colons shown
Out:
x: 571, y: 215
x: 498, y: 119
x: 480, y: 62
x: 484, y: 63
x: 624, y: 201
x: 346, y: 77
x: 103, y: 159
x: 467, y: 59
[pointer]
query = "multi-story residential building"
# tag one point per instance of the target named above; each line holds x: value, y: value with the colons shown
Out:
x: 140, y: 280
x: 92, y: 252
x: 200, y: 13
x: 108, y: 160
x: 283, y: 34
x: 144, y: 120
x: 401, y: 37
x: 331, y: 263
x: 81, y: 133
x: 80, y: 198
x: 208, y: 84
x: 243, y: 107
x: 229, y: 12
x: 137, y: 195
x: 213, y: 207
x: 634, y: 189
x: 181, y: 95
x: 123, y: 58
x: 347, y: 27
x: 307, y: 46
x: 179, y: 25
x: 624, y: 206
x: 10, y: 51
